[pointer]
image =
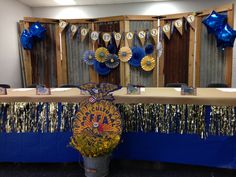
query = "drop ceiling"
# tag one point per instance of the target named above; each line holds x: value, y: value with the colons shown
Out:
x: 45, y: 3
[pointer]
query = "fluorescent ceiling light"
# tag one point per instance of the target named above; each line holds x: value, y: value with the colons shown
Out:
x: 65, y: 2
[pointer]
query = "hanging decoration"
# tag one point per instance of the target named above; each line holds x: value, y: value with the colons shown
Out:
x: 225, y: 37
x: 101, y: 54
x: 154, y: 34
x: 167, y: 30
x: 89, y: 57
x: 179, y: 25
x: 73, y: 29
x: 94, y: 36
x: 37, y: 31
x: 129, y: 38
x: 26, y: 40
x: 214, y: 22
x: 117, y: 37
x: 137, y: 55
x: 112, y: 61
x: 125, y: 54
x: 142, y: 37
x: 149, y: 49
x: 148, y: 63
x: 106, y: 38
x: 62, y: 26
x: 191, y: 20
x: 83, y: 32
x: 101, y: 68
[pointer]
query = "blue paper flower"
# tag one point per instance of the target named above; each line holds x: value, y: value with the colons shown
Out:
x: 137, y: 55
x: 101, y: 68
x: 149, y: 49
x: 112, y: 61
x: 89, y: 57
x: 112, y: 48
x: 26, y: 40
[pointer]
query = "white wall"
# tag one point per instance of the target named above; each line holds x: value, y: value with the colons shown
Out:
x: 11, y: 12
x: 151, y: 8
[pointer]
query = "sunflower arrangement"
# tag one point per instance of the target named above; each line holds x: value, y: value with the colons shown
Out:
x: 93, y: 143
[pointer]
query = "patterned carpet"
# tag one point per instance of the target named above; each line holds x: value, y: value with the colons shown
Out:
x: 118, y: 169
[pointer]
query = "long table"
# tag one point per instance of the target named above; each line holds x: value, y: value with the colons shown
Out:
x: 215, y: 151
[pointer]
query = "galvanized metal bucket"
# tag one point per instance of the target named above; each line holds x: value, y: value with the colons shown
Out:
x: 97, y: 166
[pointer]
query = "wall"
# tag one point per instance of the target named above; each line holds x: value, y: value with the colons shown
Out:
x: 11, y: 12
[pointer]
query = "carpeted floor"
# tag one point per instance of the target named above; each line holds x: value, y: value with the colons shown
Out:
x: 118, y: 169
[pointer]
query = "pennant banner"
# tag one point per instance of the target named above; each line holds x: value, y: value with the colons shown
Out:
x: 191, y: 20
x: 73, y: 29
x: 154, y: 35
x: 94, y: 36
x: 166, y: 30
x: 84, y: 33
x: 62, y: 26
x: 129, y: 37
x: 142, y: 35
x: 179, y: 25
x: 106, y: 37
x: 117, y: 37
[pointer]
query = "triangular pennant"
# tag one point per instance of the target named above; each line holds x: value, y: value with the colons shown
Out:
x: 154, y: 34
x: 191, y: 20
x: 166, y: 30
x: 117, y: 37
x: 142, y: 37
x: 106, y: 38
x: 94, y: 36
x: 73, y: 29
x: 129, y: 37
x: 83, y: 32
x: 179, y: 25
x: 62, y: 26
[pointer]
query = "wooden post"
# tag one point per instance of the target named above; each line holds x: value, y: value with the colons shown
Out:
x: 58, y: 56
x: 156, y: 69
x: 64, y: 59
x: 191, y: 57
x: 161, y: 61
x: 198, y: 51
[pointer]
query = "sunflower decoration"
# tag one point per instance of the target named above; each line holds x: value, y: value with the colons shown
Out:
x: 112, y: 61
x: 125, y: 54
x: 89, y: 57
x: 101, y: 54
x: 148, y: 63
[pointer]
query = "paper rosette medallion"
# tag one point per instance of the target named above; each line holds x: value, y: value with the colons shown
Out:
x: 89, y: 57
x: 101, y: 54
x: 112, y: 61
x: 148, y: 63
x: 101, y: 116
x: 125, y: 54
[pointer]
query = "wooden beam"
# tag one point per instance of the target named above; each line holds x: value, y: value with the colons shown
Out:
x: 76, y: 21
x: 223, y: 8
x: 122, y: 64
x: 27, y: 65
x: 109, y: 19
x: 140, y: 17
x: 156, y: 69
x: 64, y: 59
x: 229, y: 52
x: 198, y: 51
x: 41, y: 20
x: 58, y: 56
x: 161, y: 62
x: 191, y: 57
x: 126, y: 64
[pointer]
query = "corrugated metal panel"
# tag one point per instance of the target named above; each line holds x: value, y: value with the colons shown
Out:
x: 137, y: 75
x: 43, y: 57
x: 78, y: 71
x: 212, y: 62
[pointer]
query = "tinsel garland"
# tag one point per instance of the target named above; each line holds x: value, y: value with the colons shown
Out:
x: 21, y: 117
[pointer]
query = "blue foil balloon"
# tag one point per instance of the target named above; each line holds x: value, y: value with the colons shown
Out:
x: 26, y: 40
x: 37, y: 30
x: 225, y: 37
x: 214, y: 22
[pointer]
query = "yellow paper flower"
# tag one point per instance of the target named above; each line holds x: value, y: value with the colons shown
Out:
x: 148, y: 63
x: 101, y: 54
x: 125, y: 54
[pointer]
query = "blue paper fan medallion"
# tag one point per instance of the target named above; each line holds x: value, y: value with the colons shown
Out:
x: 137, y: 55
x: 112, y: 61
x: 101, y: 68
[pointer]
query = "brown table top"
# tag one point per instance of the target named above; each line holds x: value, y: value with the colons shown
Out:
x: 205, y: 96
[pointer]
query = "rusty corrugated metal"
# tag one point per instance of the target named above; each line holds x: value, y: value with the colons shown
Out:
x: 212, y: 61
x: 78, y: 71
x: 137, y: 75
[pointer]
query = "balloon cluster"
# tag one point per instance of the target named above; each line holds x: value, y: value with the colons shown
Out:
x: 217, y: 24
x: 36, y: 32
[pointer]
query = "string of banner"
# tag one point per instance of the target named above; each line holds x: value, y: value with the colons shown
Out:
x: 104, y: 59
